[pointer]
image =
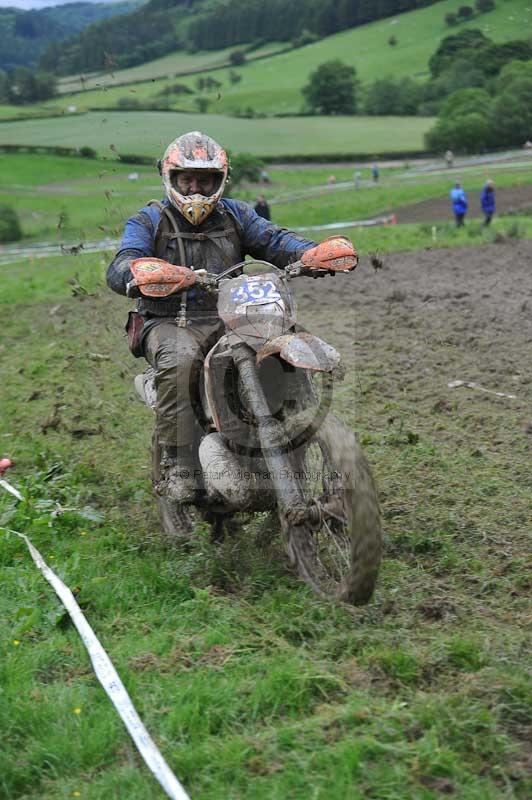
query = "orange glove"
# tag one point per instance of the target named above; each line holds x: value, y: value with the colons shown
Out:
x: 157, y: 278
x: 336, y: 254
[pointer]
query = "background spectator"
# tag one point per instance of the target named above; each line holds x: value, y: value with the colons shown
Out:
x: 487, y: 201
x: 262, y: 208
x: 459, y: 203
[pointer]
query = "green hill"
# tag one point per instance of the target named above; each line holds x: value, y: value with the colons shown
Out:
x: 163, y: 26
x: 273, y: 85
x: 169, y: 66
x: 26, y: 34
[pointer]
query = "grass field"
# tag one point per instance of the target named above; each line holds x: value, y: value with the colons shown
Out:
x: 148, y: 133
x: 168, y: 66
x: 391, y: 193
x: 72, y: 199
x: 252, y: 687
x: 273, y: 85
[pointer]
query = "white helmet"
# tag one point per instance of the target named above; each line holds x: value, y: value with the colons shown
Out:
x: 194, y: 151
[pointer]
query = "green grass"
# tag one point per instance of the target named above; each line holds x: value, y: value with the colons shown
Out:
x: 169, y: 66
x: 274, y: 85
x: 252, y: 687
x: 66, y: 199
x: 392, y: 192
x: 72, y: 199
x: 147, y: 133
x: 422, y: 236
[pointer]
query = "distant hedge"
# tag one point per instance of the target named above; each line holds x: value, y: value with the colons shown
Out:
x: 33, y: 148
x: 133, y: 158
x: 54, y: 150
x: 300, y: 158
x: 336, y: 158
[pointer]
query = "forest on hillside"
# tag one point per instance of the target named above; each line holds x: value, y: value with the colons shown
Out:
x: 25, y: 35
x: 162, y: 26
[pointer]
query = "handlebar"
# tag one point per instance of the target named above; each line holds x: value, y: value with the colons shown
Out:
x: 291, y: 271
x: 210, y: 280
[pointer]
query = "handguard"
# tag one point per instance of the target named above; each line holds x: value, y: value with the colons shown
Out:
x: 157, y: 278
x: 335, y: 254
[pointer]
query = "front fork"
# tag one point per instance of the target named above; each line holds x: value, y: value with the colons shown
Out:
x: 271, y: 433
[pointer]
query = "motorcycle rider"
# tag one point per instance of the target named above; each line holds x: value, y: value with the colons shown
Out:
x: 195, y: 228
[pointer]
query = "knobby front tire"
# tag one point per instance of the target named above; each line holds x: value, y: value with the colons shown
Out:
x: 339, y: 555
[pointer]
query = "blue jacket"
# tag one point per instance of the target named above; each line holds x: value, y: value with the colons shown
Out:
x: 487, y: 200
x: 260, y: 238
x: 257, y: 237
x: 459, y: 200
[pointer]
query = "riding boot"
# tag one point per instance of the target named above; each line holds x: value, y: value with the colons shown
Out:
x: 178, y: 474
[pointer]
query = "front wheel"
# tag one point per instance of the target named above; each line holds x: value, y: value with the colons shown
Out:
x: 337, y: 551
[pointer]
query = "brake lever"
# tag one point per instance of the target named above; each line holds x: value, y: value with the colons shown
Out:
x: 296, y: 269
x: 132, y: 290
x: 206, y: 280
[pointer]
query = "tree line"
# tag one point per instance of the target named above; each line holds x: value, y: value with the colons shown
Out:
x: 24, y: 85
x: 467, y: 60
x: 476, y: 119
x: 26, y: 34
x: 246, y: 20
x: 481, y: 90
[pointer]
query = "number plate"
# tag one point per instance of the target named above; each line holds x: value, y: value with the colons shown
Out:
x: 255, y: 291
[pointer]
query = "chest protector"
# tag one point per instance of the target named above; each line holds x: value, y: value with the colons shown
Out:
x: 213, y: 247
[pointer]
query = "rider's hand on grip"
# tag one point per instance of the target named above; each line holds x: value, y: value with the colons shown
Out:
x: 157, y: 278
x: 335, y: 254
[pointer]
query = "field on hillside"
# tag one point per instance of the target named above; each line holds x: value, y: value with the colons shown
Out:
x: 251, y: 686
x: 148, y: 133
x: 169, y: 66
x: 273, y: 85
x: 69, y: 200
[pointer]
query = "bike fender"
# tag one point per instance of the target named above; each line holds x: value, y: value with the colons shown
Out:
x: 210, y: 393
x: 303, y: 350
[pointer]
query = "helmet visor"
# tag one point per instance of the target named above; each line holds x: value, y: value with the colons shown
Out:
x: 204, y: 182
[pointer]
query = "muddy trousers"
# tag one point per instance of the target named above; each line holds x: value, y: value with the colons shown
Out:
x: 177, y: 354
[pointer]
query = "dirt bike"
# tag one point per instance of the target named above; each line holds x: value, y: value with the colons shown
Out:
x: 266, y: 440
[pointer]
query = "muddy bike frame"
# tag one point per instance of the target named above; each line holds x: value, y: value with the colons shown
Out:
x: 270, y: 431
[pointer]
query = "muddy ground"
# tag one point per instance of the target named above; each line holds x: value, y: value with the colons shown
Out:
x: 408, y: 329
x: 518, y: 198
x: 426, y: 319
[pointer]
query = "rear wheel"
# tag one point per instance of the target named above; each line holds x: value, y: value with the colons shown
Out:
x: 338, y: 550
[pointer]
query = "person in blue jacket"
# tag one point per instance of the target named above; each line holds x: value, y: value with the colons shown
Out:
x: 192, y: 227
x: 459, y: 203
x: 487, y: 201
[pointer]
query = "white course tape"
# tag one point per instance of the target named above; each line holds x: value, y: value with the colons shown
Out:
x: 11, y: 489
x: 361, y: 223
x: 473, y: 385
x: 110, y: 680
